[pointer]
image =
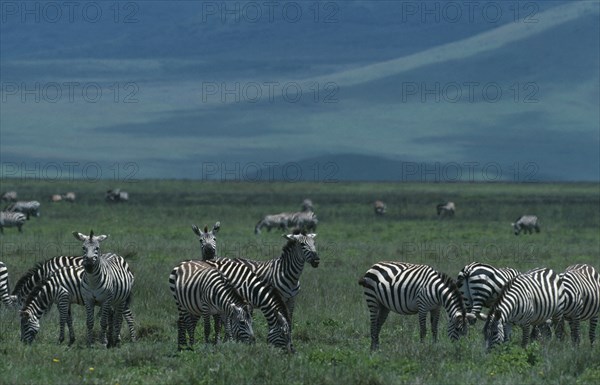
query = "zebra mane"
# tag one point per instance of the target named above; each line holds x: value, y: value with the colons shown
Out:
x: 35, y: 292
x: 501, y: 296
x: 449, y: 282
x: 237, y: 297
x: 22, y: 282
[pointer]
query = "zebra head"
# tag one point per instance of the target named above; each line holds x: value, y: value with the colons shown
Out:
x: 307, y: 245
x: 240, y: 318
x: 280, y: 335
x: 493, y: 330
x: 208, y: 240
x: 516, y: 227
x: 91, y: 248
x: 30, y: 325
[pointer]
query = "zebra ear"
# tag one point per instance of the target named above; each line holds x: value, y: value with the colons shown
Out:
x: 289, y: 237
x: 100, y: 238
x: 196, y: 230
x: 79, y: 236
x: 216, y: 227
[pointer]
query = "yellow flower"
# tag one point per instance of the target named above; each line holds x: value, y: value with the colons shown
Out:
x: 55, y: 360
x: 91, y: 369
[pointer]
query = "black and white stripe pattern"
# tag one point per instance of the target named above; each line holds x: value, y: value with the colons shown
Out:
x: 581, y: 285
x: 480, y: 285
x: 530, y: 299
x: 446, y: 209
x: 12, y: 219
x: 5, y: 297
x: 284, y: 272
x: 274, y: 221
x: 107, y: 281
x: 116, y: 195
x: 9, y: 196
x: 62, y: 287
x: 208, y: 240
x: 407, y: 288
x: 526, y: 223
x: 29, y: 208
x: 201, y: 291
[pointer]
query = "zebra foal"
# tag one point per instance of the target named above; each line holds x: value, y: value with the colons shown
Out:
x: 407, y: 288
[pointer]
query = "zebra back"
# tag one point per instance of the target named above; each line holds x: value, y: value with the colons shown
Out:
x: 581, y: 284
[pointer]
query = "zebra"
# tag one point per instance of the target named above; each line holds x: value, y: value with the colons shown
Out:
x: 117, y: 195
x: 10, y: 219
x: 55, y: 198
x: 62, y: 287
x: 5, y: 298
x: 581, y: 284
x: 408, y: 288
x: 273, y: 221
x: 43, y: 269
x: 107, y: 281
x: 379, y: 207
x: 9, y: 196
x: 480, y: 285
x: 284, y: 272
x: 202, y: 292
x: 306, y: 220
x: 446, y: 209
x: 29, y: 208
x: 526, y: 223
x: 69, y: 197
x: 307, y: 205
x: 529, y: 300
x: 260, y: 295
x: 208, y: 240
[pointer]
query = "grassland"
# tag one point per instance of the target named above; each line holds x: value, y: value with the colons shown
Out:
x: 331, y: 327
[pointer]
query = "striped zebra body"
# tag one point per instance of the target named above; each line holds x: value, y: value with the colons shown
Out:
x: 581, y: 285
x: 208, y: 240
x: 528, y: 300
x: 107, y: 281
x: 407, y: 288
x: 201, y: 292
x: 12, y: 219
x: 5, y: 297
x: 9, y: 196
x: 28, y: 208
x: 279, y: 221
x: 527, y: 224
x: 260, y: 295
x: 283, y: 272
x: 304, y: 220
x: 62, y: 287
x: 446, y: 209
x: 480, y: 285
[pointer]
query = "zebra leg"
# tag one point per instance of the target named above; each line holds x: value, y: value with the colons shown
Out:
x: 422, y: 325
x: 117, y: 321
x: 20, y: 227
x: 507, y: 331
x: 89, y: 309
x: 181, y: 328
x: 218, y: 324
x: 525, y: 339
x: 105, y: 311
x: 70, y: 325
x: 378, y: 317
x: 128, y: 315
x: 574, y: 324
x: 206, y: 318
x: 435, y: 317
x: 593, y: 324
x: 191, y: 322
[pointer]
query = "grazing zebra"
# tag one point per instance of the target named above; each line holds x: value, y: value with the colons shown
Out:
x: 408, y: 288
x: 284, y: 272
x: 63, y: 287
x: 528, y: 300
x: 56, y: 198
x: 107, y: 281
x: 202, y: 292
x: 10, y: 219
x: 304, y: 220
x: 273, y: 221
x: 117, y: 195
x: 581, y: 285
x: 44, y: 269
x: 5, y: 298
x: 29, y: 208
x: 69, y: 197
x: 208, y: 240
x: 446, y: 209
x: 379, y: 207
x: 260, y: 295
x: 526, y: 223
x: 307, y: 205
x: 480, y: 285
x: 9, y: 196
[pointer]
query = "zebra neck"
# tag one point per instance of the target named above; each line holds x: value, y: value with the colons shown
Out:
x: 450, y: 299
x: 41, y: 301
x: 291, y: 261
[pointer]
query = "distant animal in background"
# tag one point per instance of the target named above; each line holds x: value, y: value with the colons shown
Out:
x: 446, y: 209
x: 279, y: 221
x: 208, y: 240
x: 10, y: 219
x: 304, y: 220
x: 56, y: 198
x: 379, y: 207
x: 29, y: 208
x: 9, y: 196
x: 117, y: 195
x: 526, y: 223
x: 307, y: 205
x: 69, y: 197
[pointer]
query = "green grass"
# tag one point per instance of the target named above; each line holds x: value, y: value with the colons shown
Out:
x: 331, y: 327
